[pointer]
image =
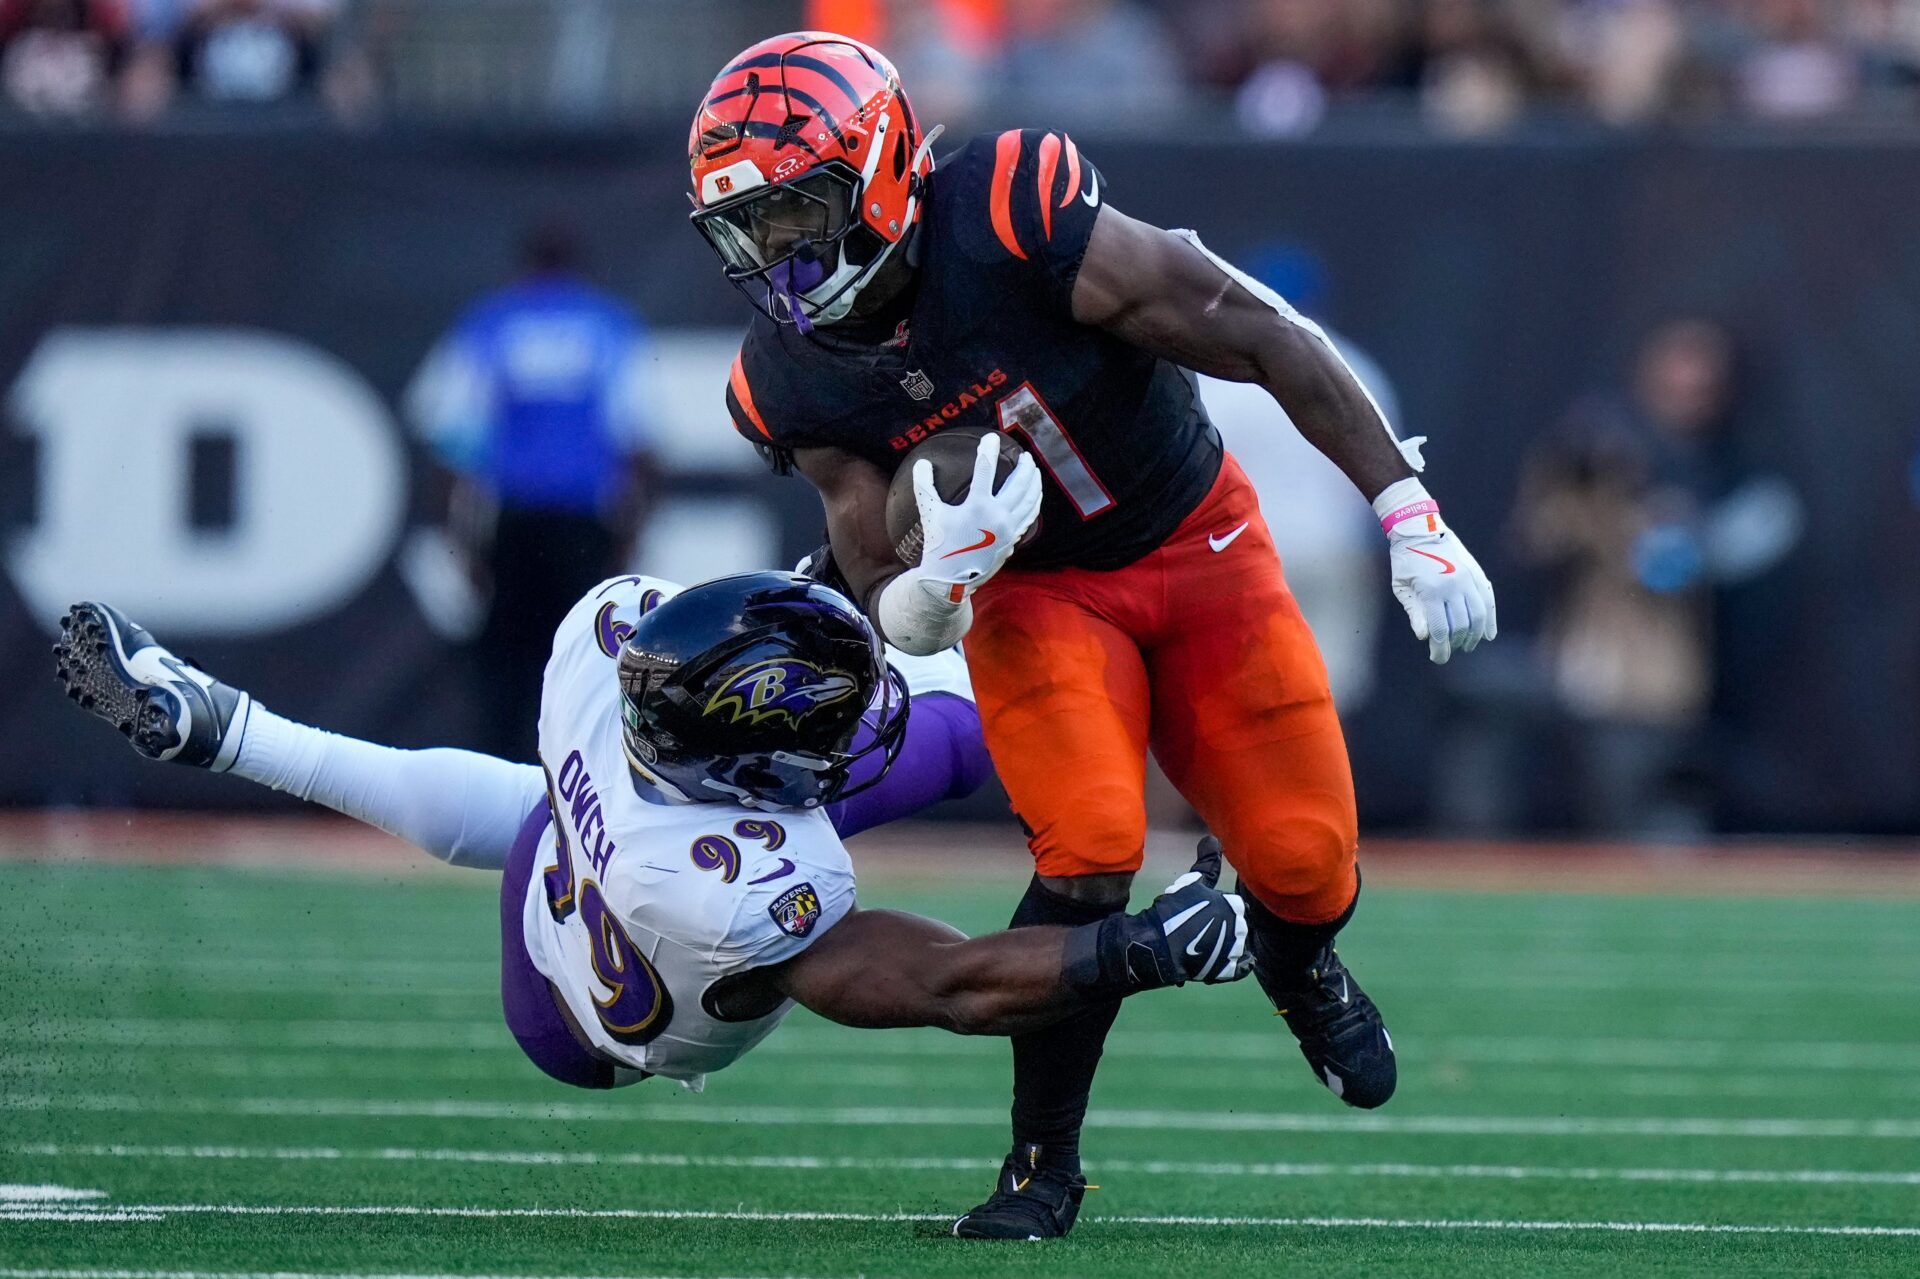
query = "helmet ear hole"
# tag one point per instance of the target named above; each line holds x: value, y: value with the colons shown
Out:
x: 899, y: 156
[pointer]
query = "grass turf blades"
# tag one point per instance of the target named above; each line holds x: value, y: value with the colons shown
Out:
x: 1580, y: 1075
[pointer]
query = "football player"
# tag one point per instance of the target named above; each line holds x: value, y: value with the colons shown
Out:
x: 673, y: 882
x: 1002, y: 289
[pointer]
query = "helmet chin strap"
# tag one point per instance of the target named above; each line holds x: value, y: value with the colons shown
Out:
x: 926, y: 147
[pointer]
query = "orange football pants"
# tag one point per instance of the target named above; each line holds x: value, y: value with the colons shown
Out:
x: 1199, y: 652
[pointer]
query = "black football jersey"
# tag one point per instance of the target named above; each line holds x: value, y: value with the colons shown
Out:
x: 989, y: 340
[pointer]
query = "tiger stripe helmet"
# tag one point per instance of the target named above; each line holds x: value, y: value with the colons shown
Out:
x: 807, y: 167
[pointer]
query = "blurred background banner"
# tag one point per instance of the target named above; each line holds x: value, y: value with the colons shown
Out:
x: 211, y: 348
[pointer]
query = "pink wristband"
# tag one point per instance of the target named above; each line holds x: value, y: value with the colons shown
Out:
x: 1407, y: 512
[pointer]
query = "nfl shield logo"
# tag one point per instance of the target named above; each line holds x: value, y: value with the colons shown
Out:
x: 917, y: 384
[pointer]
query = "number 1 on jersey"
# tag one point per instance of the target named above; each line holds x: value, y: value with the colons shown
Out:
x: 1024, y: 411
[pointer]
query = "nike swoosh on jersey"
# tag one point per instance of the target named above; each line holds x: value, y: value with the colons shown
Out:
x: 1091, y: 196
x: 1222, y: 543
x: 786, y: 868
x: 1446, y: 566
x: 986, y: 539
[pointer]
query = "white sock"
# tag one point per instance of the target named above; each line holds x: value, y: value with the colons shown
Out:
x: 463, y: 807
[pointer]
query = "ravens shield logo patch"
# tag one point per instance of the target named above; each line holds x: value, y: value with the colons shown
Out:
x: 796, y: 911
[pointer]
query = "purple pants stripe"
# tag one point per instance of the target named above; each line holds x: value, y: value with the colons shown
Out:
x: 525, y: 996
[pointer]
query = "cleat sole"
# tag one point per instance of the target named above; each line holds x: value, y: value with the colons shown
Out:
x: 94, y: 677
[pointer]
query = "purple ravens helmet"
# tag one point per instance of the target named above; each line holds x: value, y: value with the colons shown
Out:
x: 762, y: 688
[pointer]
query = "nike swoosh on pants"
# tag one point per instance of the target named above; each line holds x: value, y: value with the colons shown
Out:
x: 1222, y: 542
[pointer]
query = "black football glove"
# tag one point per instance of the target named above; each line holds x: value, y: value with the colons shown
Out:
x: 1191, y: 932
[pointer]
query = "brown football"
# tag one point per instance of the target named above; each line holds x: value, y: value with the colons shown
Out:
x: 951, y: 452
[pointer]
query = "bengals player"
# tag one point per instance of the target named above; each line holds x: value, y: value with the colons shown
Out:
x: 1000, y: 288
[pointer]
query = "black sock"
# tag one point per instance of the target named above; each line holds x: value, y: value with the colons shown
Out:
x: 1053, y: 1068
x: 1282, y: 949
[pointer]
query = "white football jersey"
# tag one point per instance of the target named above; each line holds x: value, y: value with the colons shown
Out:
x: 643, y: 905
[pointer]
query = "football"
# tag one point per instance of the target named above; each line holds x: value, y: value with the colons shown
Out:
x: 951, y: 453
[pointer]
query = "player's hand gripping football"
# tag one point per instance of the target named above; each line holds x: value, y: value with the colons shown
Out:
x: 967, y: 541
x: 1447, y: 597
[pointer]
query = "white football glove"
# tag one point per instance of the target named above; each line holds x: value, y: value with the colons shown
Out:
x: 967, y: 541
x: 1436, y: 579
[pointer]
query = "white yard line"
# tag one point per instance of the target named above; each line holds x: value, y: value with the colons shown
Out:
x: 281, y: 975
x: 951, y: 1117
x: 75, y: 1214
x: 271, y: 1034
x: 755, y: 1215
x: 250, y: 1033
x: 14, y: 1193
x: 269, y: 1069
x: 77, y: 1273
x: 877, y: 1163
x: 1519, y: 1052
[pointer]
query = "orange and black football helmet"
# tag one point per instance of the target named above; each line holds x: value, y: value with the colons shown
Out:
x: 807, y: 168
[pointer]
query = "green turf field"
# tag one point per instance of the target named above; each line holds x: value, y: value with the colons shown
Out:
x: 305, y: 1073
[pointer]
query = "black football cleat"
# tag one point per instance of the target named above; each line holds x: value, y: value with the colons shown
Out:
x: 1340, y: 1031
x: 1037, y: 1197
x: 167, y: 708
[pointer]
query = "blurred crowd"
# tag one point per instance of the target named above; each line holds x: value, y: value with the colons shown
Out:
x: 1466, y: 67
x: 138, y: 59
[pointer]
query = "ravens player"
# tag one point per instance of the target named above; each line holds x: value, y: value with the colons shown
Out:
x: 673, y: 879
x: 1002, y: 289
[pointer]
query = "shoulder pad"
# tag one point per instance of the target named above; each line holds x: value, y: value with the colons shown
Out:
x: 1018, y: 195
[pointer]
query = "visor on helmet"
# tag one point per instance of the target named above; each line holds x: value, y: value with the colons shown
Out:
x: 787, y: 244
x: 771, y: 223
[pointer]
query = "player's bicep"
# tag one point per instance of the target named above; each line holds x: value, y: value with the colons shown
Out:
x: 1155, y: 290
x: 854, y: 492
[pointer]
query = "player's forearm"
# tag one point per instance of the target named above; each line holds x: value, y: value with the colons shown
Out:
x: 1190, y: 305
x: 1007, y: 983
x: 1331, y: 409
x: 1010, y: 982
x: 880, y: 969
